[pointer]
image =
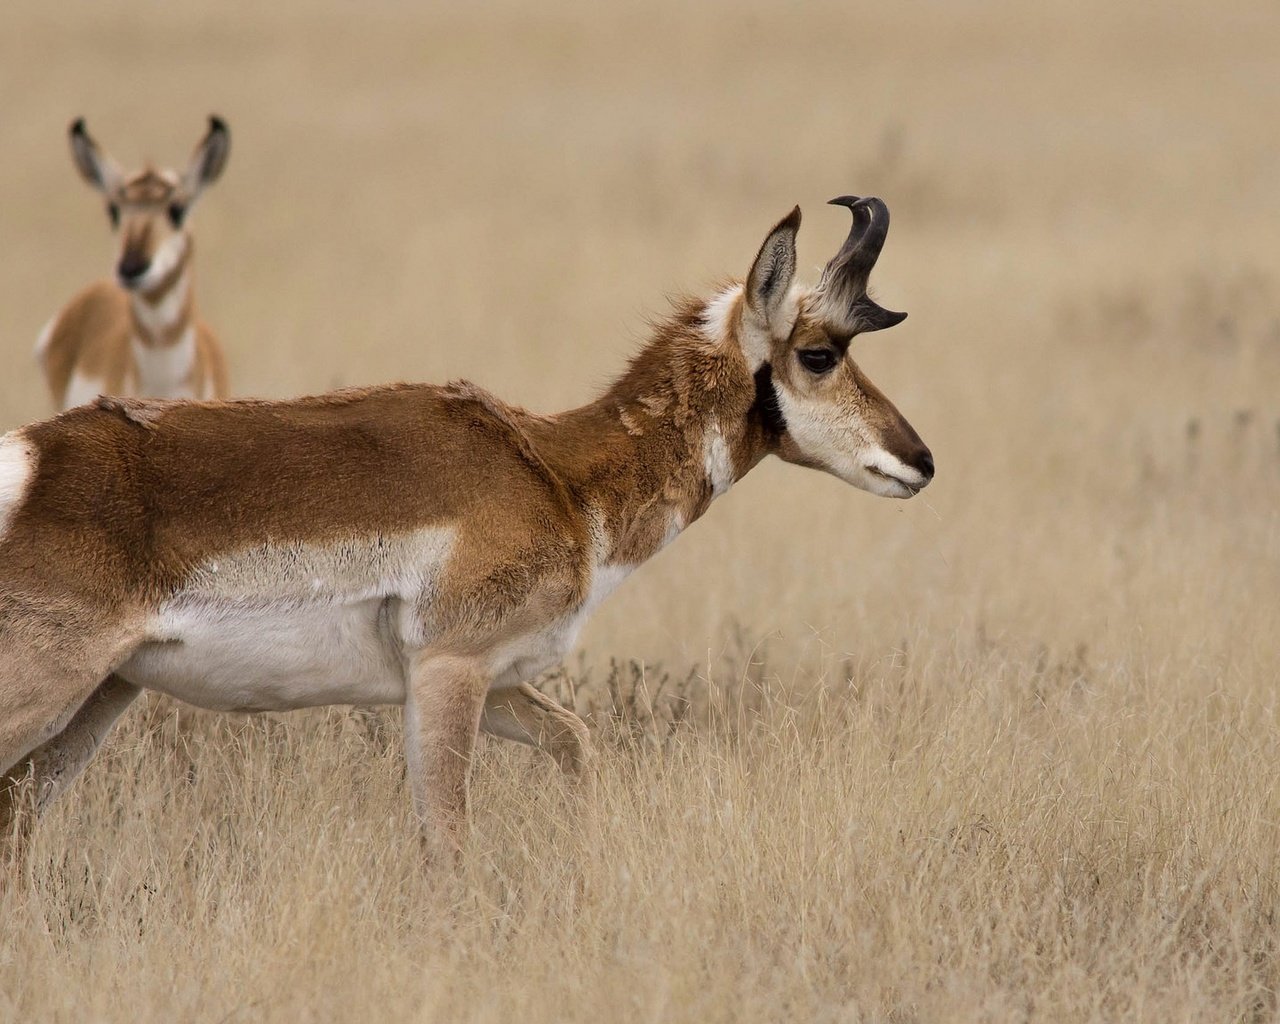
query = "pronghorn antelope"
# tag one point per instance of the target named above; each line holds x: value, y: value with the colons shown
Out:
x: 139, y: 334
x: 409, y: 544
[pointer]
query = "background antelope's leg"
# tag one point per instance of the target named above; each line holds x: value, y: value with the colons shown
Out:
x: 442, y: 717
x: 527, y: 715
x: 47, y: 771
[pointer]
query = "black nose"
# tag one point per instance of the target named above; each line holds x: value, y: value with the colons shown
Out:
x: 924, y: 463
x: 132, y: 267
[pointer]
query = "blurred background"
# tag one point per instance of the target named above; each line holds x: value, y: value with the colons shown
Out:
x: 1086, y: 218
x: 1009, y: 750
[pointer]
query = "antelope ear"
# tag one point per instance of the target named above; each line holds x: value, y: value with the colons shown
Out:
x: 774, y: 267
x: 95, y: 166
x: 209, y: 159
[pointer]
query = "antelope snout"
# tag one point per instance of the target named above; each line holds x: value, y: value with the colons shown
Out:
x: 132, y: 268
x: 921, y: 460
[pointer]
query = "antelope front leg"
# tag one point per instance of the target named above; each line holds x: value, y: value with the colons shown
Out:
x: 442, y: 716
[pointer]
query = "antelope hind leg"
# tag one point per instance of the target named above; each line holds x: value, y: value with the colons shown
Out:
x: 37, y: 779
x: 526, y: 715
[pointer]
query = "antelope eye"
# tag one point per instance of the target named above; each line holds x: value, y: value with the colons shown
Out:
x: 176, y: 212
x: 817, y: 360
x: 113, y: 211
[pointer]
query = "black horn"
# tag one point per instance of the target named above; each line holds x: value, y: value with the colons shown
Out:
x: 866, y: 237
x: 843, y: 288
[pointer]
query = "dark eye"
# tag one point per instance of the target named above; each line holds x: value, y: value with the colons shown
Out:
x: 113, y: 211
x: 176, y: 212
x: 818, y: 360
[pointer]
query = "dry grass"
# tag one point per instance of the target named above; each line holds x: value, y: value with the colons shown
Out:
x: 1005, y: 752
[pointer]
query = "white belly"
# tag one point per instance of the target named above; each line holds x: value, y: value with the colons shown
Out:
x: 276, y: 656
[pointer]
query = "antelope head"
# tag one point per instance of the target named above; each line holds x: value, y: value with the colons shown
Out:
x: 149, y: 209
x: 819, y: 407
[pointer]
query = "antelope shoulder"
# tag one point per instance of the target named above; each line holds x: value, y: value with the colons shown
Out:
x: 83, y: 348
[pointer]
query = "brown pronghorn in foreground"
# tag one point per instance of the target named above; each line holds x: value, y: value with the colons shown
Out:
x: 409, y: 544
x: 138, y: 334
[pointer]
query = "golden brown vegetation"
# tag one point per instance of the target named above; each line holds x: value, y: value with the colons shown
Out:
x: 1009, y: 751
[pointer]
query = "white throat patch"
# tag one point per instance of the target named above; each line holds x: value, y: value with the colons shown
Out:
x: 159, y: 319
x: 166, y: 258
x: 718, y: 461
x: 165, y: 371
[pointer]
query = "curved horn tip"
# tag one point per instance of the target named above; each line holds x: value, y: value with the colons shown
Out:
x: 877, y: 318
x: 849, y: 201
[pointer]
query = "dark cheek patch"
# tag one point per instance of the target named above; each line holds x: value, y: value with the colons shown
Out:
x: 765, y: 406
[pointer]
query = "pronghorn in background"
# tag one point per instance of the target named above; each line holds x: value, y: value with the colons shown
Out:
x: 410, y: 544
x: 138, y: 334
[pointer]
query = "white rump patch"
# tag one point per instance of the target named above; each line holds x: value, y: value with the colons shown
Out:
x: 17, y: 462
x: 718, y: 461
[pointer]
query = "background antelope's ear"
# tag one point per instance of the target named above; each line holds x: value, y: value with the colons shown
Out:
x: 95, y: 166
x: 775, y: 266
x: 209, y: 159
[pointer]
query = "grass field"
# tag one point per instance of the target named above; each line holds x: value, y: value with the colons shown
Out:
x: 1008, y: 751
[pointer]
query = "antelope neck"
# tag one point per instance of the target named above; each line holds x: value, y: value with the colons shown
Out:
x: 649, y: 456
x: 162, y: 314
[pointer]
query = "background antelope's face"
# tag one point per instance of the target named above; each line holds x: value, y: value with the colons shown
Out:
x: 827, y: 414
x: 149, y: 209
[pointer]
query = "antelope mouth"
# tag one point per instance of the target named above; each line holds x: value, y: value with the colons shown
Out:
x: 911, y: 489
